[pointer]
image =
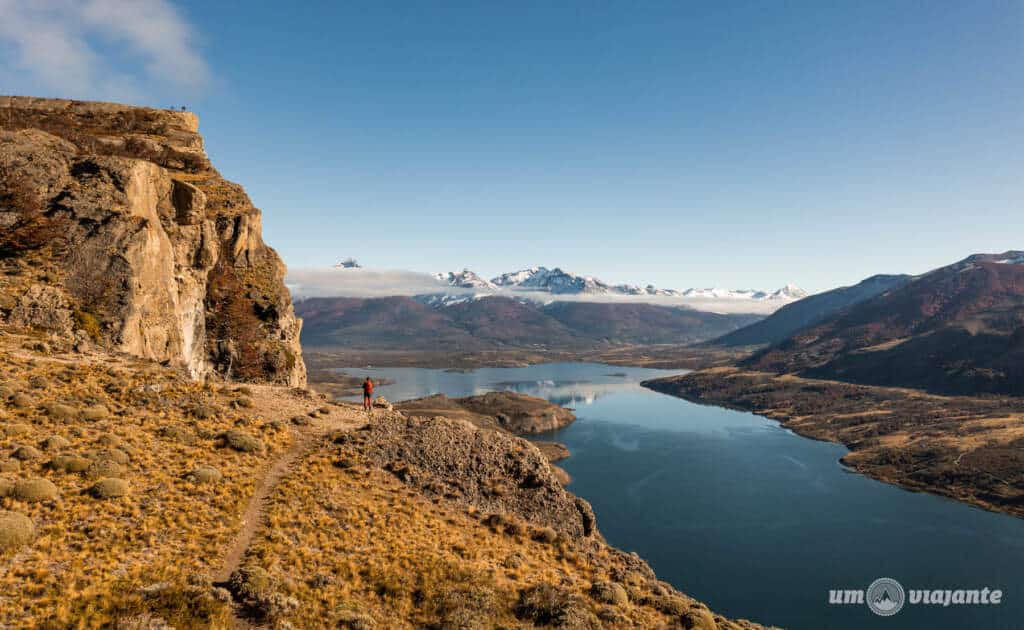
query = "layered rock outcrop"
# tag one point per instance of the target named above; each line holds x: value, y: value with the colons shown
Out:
x: 115, y: 228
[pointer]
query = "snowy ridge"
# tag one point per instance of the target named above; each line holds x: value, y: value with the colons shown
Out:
x: 465, y: 279
x: 559, y: 282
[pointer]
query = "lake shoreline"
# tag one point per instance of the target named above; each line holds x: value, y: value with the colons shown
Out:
x: 660, y: 356
x: 961, y: 448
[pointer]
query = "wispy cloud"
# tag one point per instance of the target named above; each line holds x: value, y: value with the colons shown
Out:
x: 372, y: 283
x: 102, y: 49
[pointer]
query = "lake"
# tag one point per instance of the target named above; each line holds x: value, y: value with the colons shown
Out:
x: 748, y: 517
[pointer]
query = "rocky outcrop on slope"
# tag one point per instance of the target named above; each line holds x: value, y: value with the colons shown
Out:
x: 490, y: 470
x: 513, y: 412
x: 116, y: 229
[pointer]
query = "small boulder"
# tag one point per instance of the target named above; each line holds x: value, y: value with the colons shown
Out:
x: 16, y: 530
x: 34, y: 490
x: 110, y: 488
x: 9, y: 465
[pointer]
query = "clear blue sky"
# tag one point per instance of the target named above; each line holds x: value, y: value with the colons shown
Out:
x: 679, y: 143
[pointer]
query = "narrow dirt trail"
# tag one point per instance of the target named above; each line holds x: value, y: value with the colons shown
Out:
x: 254, y: 517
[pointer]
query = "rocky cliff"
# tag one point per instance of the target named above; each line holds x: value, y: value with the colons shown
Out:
x: 116, y: 230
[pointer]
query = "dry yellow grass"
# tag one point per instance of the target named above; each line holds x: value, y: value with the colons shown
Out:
x: 90, y: 557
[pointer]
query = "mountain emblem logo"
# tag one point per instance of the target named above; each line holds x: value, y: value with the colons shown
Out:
x: 885, y: 597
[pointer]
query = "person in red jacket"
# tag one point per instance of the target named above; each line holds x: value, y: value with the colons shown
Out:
x: 367, y: 394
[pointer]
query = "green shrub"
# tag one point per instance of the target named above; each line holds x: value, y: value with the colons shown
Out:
x: 16, y: 530
x: 112, y: 454
x: 100, y: 468
x: 205, y: 474
x: 545, y: 535
x: 177, y: 433
x: 22, y: 401
x: 55, y: 443
x: 548, y: 604
x: 94, y: 413
x: 59, y: 411
x: 87, y: 323
x: 699, y: 618
x: 241, y: 441
x: 203, y: 411
x: 110, y: 440
x: 34, y: 490
x: 15, y: 429
x: 609, y: 593
x: 26, y: 453
x: 69, y: 464
x: 110, y: 488
x: 354, y: 620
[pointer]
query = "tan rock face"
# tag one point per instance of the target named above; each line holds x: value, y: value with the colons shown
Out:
x: 141, y: 236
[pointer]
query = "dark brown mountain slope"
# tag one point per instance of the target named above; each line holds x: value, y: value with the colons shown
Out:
x: 958, y: 329
x: 642, y: 323
x: 808, y: 311
x: 392, y: 323
x: 500, y: 323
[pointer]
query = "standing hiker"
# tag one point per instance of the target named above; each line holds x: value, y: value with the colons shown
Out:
x: 367, y: 394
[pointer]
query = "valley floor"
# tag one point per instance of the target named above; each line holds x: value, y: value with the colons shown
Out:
x: 968, y: 448
x: 665, y: 356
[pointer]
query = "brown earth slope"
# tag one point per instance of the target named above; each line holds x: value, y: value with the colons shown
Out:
x: 955, y: 330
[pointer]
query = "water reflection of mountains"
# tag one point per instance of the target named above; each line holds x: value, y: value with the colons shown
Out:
x: 566, y: 393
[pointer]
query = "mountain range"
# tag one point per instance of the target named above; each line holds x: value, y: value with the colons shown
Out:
x: 958, y: 329
x: 500, y: 322
x: 559, y: 282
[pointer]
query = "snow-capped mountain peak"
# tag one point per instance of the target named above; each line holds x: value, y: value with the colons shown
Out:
x: 465, y: 279
x: 790, y: 291
x: 348, y: 263
x: 560, y: 282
